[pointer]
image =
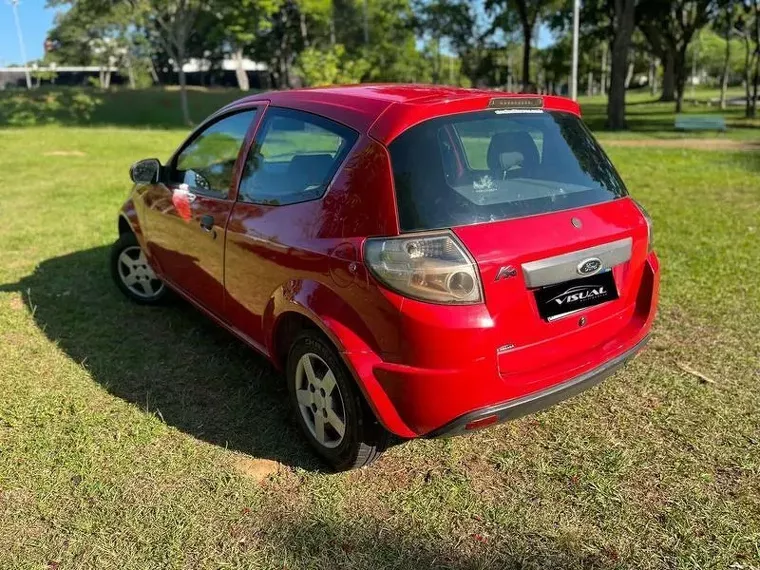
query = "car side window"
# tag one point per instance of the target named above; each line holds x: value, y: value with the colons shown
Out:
x: 294, y: 157
x: 208, y: 162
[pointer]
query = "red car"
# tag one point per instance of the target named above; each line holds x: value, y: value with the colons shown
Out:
x: 418, y: 260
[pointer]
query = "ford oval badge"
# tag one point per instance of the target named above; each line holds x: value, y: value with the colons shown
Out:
x: 590, y: 266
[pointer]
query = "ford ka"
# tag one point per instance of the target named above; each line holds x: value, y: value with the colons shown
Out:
x: 422, y: 261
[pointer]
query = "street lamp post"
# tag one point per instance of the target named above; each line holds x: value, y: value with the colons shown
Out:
x: 574, y: 71
x: 14, y: 6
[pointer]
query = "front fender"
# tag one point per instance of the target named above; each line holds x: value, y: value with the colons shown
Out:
x: 129, y: 220
x: 346, y: 330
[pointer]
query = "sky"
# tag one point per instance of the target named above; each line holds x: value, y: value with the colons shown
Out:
x: 35, y: 22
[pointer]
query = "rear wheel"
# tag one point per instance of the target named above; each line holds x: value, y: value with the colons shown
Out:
x: 329, y: 407
x: 132, y: 273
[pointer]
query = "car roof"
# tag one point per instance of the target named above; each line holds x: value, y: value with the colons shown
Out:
x: 385, y: 110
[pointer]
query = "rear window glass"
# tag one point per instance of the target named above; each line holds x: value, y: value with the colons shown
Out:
x: 490, y: 165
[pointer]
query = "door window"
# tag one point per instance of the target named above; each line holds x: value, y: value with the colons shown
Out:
x: 295, y: 156
x: 208, y: 162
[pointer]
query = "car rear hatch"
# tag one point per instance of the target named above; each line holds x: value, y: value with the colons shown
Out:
x: 543, y: 310
x: 559, y: 245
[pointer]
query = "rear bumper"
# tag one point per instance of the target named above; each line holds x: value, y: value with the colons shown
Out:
x: 456, y: 370
x: 537, y: 401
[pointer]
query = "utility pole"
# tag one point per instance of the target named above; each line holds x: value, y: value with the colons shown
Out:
x: 576, y: 30
x: 14, y: 6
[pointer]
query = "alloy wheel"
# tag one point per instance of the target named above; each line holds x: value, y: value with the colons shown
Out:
x: 137, y: 275
x: 320, y: 401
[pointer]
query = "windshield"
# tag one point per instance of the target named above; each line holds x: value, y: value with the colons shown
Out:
x: 495, y: 165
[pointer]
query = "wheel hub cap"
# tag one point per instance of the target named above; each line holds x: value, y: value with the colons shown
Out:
x: 320, y: 401
x: 137, y: 275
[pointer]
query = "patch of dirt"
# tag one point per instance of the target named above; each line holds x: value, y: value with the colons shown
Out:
x: 690, y: 144
x: 65, y: 153
x: 16, y: 303
x: 12, y: 339
x: 256, y: 469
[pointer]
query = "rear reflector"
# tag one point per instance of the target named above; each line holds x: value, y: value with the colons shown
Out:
x: 481, y: 423
x: 516, y: 103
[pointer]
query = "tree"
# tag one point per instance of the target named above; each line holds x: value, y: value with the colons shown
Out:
x: 670, y: 26
x: 240, y: 24
x: 392, y: 52
x: 173, y: 21
x: 748, y: 29
x: 528, y: 14
x: 726, y: 22
x: 623, y: 18
x: 330, y: 66
x: 450, y: 21
x: 91, y: 32
x: 609, y: 22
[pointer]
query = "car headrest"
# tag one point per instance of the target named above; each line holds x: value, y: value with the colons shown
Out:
x: 310, y: 168
x: 508, y: 150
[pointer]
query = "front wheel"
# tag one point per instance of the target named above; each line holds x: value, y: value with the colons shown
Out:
x: 329, y: 407
x: 132, y: 273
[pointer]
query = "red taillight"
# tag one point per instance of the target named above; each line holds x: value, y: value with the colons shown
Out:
x: 481, y: 423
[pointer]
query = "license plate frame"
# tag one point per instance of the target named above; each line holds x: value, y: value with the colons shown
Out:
x: 555, y: 301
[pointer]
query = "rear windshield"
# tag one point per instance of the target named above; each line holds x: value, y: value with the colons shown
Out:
x: 495, y: 165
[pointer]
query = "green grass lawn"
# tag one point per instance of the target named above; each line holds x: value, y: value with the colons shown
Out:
x: 135, y: 437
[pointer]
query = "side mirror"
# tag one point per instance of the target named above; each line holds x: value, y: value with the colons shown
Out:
x: 146, y: 171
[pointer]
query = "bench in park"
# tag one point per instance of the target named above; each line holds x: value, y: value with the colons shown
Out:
x: 700, y: 123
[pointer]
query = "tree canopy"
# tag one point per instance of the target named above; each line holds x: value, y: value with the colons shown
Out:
x: 496, y: 43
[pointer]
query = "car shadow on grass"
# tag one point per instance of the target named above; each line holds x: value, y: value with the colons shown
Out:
x: 170, y: 361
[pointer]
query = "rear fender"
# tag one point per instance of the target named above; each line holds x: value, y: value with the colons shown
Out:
x: 340, y: 323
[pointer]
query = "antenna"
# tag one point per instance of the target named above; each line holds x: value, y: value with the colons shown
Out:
x: 14, y: 6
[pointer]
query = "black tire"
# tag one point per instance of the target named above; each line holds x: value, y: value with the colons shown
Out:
x: 364, y: 438
x: 128, y: 242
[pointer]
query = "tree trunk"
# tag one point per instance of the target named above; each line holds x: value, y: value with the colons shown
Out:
x: 668, y: 77
x: 629, y: 75
x: 183, y: 86
x: 724, y: 76
x: 756, y: 87
x: 747, y: 77
x: 590, y: 84
x: 527, y: 37
x: 304, y: 30
x: 681, y: 74
x: 726, y: 61
x: 153, y: 72
x: 131, y: 73
x: 621, y: 44
x: 240, y: 73
x: 604, y: 70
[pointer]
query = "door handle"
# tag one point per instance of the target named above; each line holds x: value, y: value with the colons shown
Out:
x: 207, y: 223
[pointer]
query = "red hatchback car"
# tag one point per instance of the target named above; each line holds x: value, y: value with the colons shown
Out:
x: 418, y: 260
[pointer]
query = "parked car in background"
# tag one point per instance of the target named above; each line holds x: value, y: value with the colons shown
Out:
x: 417, y: 260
